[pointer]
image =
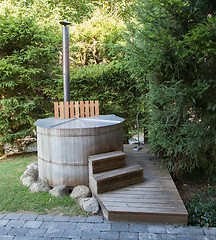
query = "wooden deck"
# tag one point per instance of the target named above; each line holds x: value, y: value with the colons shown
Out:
x: 156, y: 199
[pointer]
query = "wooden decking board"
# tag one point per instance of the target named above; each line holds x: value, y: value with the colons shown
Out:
x: 108, y: 162
x: 97, y: 168
x: 156, y: 199
x: 148, y: 205
x: 118, y: 183
x: 99, y: 157
x: 144, y: 201
x: 146, y: 217
x: 112, y: 173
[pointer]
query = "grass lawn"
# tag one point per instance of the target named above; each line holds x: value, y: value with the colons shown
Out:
x: 16, y: 198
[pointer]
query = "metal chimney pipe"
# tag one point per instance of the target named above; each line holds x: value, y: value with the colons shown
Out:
x: 66, y: 65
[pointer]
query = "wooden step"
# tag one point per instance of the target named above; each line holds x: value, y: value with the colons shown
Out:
x: 107, y: 161
x: 114, y: 179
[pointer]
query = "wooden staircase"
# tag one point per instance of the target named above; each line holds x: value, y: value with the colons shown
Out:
x: 108, y: 171
x: 154, y: 199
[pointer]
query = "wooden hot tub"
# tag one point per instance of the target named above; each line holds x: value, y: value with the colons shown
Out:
x: 65, y: 144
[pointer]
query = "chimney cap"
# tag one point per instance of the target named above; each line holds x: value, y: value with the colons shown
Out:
x: 65, y: 23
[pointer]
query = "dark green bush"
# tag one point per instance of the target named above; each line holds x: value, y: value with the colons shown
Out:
x: 111, y: 85
x: 172, y: 48
x: 28, y: 58
x: 202, y: 208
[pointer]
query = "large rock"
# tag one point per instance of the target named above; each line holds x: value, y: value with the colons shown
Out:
x: 27, y: 181
x: 31, y: 171
x: 80, y: 191
x: 90, y: 205
x: 39, y: 187
x: 59, y: 191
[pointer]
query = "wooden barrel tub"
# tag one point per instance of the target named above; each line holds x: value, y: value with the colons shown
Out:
x: 65, y: 144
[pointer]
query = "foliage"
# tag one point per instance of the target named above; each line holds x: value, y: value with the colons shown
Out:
x: 30, y: 59
x: 17, y: 198
x: 202, y: 208
x: 108, y: 83
x: 76, y: 10
x: 71, y: 10
x: 172, y: 48
x: 94, y: 40
x: 28, y: 55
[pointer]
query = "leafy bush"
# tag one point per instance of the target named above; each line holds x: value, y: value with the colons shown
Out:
x: 172, y: 49
x: 94, y: 39
x: 28, y: 59
x: 108, y: 83
x: 202, y: 208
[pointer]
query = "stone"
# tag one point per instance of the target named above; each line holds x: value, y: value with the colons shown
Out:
x: 59, y: 191
x: 90, y: 205
x: 27, y: 181
x: 39, y: 187
x: 80, y: 191
x: 32, y: 171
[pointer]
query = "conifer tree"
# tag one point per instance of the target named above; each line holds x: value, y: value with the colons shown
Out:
x: 172, y: 47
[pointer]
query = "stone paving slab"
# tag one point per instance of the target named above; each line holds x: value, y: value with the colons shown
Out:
x: 15, y: 226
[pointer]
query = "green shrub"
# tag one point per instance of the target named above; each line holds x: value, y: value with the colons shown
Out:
x: 172, y: 49
x: 108, y: 83
x: 28, y: 59
x: 202, y: 208
x: 93, y: 41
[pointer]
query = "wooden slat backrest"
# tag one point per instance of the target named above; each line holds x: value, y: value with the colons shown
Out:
x: 87, y: 108
x: 71, y: 109
x: 76, y: 109
x: 82, y: 112
x: 67, y: 110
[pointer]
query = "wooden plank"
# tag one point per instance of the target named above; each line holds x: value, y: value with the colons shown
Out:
x: 113, y: 173
x: 87, y: 108
x: 117, y: 183
x: 82, y: 114
x: 62, y: 110
x: 106, y: 155
x: 96, y: 108
x: 124, y: 191
x: 147, y: 204
x: 71, y: 109
x: 165, y: 195
x: 132, y: 209
x: 92, y: 108
x: 77, y: 109
x: 122, y: 177
x: 97, y: 168
x: 145, y: 217
x: 66, y: 104
x: 108, y: 161
x: 140, y: 200
x: 56, y: 110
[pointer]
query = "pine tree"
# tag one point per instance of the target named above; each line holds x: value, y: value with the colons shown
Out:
x: 172, y: 46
